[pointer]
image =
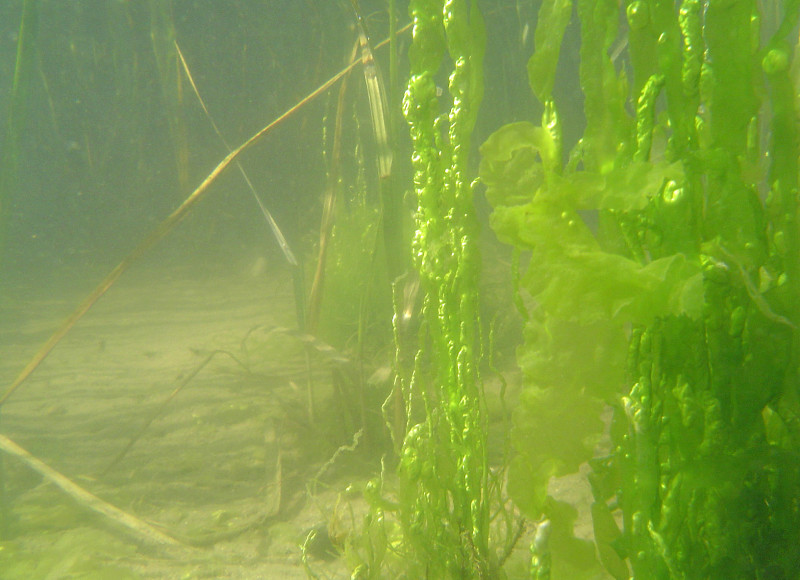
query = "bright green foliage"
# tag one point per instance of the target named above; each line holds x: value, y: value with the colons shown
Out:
x: 550, y: 28
x: 444, y: 510
x: 668, y: 240
x: 608, y: 135
x: 443, y: 506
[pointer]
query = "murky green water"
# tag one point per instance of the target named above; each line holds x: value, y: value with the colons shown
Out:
x: 554, y: 336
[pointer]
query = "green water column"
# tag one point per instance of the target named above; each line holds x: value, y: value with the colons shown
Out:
x: 16, y: 113
x: 10, y: 155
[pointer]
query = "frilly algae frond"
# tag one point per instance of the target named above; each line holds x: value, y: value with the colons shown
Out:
x: 658, y: 276
x: 672, y: 229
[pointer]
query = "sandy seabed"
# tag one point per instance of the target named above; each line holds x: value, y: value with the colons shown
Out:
x: 214, y: 466
x: 230, y: 466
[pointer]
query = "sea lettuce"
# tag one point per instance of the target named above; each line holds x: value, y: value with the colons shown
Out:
x: 571, y: 275
x: 659, y: 275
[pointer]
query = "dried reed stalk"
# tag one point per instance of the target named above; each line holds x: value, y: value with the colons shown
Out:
x: 164, y: 228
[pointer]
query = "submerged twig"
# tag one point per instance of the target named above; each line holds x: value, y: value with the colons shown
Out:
x: 276, y: 231
x: 86, y: 499
x: 163, y: 229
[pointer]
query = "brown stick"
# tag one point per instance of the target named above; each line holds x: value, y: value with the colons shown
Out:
x: 276, y: 231
x: 88, y: 500
x: 163, y: 229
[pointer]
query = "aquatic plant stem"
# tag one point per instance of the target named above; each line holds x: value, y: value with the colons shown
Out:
x: 165, y: 227
x: 276, y: 231
x: 328, y: 212
x: 443, y: 467
x: 162, y: 39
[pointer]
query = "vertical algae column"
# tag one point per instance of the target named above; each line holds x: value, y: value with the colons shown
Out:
x: 443, y: 468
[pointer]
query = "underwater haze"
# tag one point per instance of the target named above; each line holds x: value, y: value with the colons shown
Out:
x: 400, y: 289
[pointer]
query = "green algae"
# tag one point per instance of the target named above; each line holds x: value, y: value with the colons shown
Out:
x: 443, y: 468
x: 443, y: 504
x: 680, y: 267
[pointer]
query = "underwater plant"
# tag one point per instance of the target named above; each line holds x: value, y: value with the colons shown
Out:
x: 443, y: 465
x: 657, y: 267
x: 441, y: 526
x: 660, y: 275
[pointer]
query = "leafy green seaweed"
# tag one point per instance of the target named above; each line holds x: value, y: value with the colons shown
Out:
x: 662, y: 282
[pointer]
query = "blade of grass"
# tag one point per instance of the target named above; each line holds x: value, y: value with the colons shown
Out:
x: 328, y: 207
x: 17, y: 105
x: 377, y: 97
x: 276, y: 231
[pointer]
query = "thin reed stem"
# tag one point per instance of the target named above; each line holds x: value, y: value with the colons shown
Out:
x: 166, y: 226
